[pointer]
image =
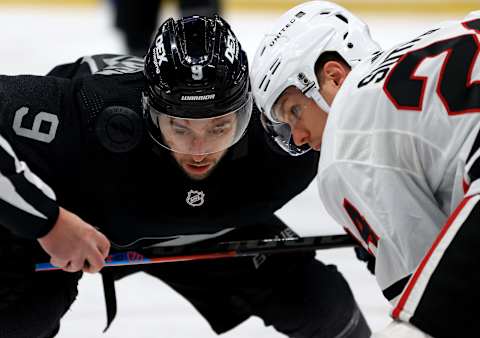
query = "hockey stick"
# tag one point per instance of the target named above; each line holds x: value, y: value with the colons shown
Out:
x: 159, y: 254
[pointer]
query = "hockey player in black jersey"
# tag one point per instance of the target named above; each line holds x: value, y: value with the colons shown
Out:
x: 175, y: 153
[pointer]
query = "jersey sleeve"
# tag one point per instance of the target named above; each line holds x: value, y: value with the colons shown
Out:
x: 100, y: 64
x: 388, y: 219
x: 40, y: 151
x: 71, y: 70
x: 448, y: 275
x: 450, y: 263
x: 28, y: 205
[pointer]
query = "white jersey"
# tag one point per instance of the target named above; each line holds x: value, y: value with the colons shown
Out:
x: 397, y: 147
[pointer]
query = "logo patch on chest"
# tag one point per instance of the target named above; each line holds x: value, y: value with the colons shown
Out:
x: 195, y: 198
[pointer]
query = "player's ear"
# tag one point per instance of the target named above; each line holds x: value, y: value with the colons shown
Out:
x: 334, y: 72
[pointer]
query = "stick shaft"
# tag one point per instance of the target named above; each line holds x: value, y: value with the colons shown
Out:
x: 161, y: 254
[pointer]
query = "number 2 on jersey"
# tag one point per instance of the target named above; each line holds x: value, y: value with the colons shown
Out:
x: 457, y: 92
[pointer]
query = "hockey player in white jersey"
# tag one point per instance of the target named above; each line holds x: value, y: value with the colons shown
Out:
x: 400, y: 147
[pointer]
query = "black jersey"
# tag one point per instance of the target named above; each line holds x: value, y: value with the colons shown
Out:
x: 103, y: 166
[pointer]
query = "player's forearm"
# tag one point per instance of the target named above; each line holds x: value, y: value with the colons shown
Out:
x: 28, y: 220
x: 27, y: 204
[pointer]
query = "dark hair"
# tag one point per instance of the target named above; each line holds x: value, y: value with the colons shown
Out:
x: 326, y: 57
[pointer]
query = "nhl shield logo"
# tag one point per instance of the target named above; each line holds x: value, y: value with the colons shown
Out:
x: 195, y: 198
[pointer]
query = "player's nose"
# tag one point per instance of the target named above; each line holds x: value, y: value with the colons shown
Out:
x: 199, y: 146
x: 300, y: 136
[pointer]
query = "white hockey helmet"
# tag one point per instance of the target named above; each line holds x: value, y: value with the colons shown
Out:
x: 287, y: 55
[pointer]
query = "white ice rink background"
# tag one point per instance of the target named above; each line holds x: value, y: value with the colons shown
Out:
x: 33, y: 40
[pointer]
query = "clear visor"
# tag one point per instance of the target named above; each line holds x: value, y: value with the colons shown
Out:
x: 197, y: 136
x: 284, y: 116
x: 281, y: 133
x: 290, y: 113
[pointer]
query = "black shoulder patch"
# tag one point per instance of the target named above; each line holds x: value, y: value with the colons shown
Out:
x: 119, y: 129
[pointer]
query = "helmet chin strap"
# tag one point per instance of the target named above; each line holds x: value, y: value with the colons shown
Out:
x: 315, y: 95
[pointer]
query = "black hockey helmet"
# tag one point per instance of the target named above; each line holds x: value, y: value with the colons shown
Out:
x: 197, y: 99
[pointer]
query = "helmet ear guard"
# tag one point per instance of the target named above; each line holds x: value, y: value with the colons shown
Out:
x: 197, y: 73
x: 288, y: 53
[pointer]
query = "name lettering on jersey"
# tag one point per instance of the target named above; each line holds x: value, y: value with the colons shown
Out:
x: 197, y: 97
x: 195, y: 198
x: 232, y: 49
x: 379, y: 73
x: 287, y: 26
x: 159, y: 55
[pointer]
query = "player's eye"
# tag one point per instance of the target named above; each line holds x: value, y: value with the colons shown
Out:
x: 294, y: 114
x: 221, y: 129
x: 179, y: 129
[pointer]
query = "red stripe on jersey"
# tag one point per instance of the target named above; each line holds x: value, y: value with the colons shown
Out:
x: 413, y: 280
x: 465, y: 186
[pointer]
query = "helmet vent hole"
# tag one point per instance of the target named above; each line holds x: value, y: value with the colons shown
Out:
x: 324, y: 13
x: 341, y: 17
x: 266, y: 86
x: 261, y: 83
x: 263, y: 50
x: 274, y: 67
x: 345, y: 35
